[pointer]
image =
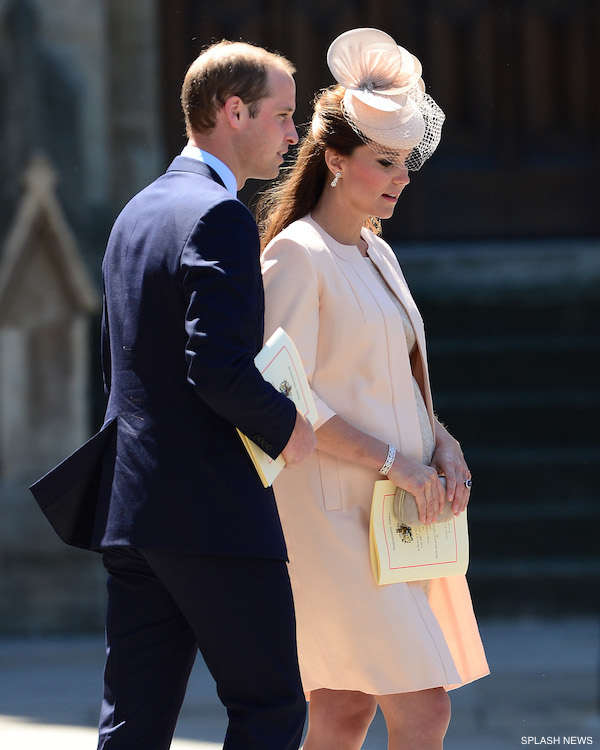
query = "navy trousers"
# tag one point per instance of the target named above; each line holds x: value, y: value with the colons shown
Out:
x: 162, y: 608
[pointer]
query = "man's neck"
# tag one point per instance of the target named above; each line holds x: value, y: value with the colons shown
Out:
x: 217, y: 165
x: 219, y: 148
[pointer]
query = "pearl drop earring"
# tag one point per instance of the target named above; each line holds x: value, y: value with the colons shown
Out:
x: 336, y: 179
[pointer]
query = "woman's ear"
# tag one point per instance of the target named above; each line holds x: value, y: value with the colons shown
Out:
x: 334, y: 161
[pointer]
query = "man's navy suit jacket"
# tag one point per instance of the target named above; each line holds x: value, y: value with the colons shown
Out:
x: 182, y: 322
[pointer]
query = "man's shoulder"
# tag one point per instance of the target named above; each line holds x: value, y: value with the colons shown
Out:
x: 186, y: 195
x: 191, y: 181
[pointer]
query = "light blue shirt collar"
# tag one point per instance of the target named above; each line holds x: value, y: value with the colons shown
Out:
x: 193, y: 152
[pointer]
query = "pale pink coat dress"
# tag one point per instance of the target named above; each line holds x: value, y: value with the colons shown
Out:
x: 353, y: 634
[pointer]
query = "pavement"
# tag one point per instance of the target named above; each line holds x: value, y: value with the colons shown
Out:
x: 544, y: 690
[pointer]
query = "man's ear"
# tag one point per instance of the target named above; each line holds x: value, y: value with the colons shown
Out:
x: 234, y: 110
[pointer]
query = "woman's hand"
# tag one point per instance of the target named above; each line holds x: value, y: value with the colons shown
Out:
x: 421, y: 481
x: 341, y: 439
x: 448, y: 460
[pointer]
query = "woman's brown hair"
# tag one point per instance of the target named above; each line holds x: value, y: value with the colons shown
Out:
x: 298, y: 192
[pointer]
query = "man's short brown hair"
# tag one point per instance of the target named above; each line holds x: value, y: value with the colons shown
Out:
x: 223, y: 70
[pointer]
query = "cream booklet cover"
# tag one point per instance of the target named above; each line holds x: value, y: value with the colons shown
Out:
x: 415, y: 553
x: 279, y: 363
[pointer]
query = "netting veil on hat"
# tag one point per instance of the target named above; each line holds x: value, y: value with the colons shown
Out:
x: 385, y: 101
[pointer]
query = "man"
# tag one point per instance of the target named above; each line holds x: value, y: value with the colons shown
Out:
x: 191, y: 540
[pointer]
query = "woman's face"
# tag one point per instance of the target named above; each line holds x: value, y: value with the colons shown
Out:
x: 370, y: 184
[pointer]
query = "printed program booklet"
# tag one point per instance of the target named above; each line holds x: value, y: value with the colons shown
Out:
x: 401, y: 553
x: 280, y: 364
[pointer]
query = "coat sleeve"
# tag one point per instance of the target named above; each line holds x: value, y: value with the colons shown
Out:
x: 224, y: 304
x: 292, y: 302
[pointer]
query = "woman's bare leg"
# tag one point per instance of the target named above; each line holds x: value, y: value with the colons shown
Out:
x: 416, y: 721
x: 338, y: 719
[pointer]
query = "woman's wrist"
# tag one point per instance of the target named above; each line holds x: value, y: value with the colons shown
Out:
x: 442, y: 437
x: 391, y: 455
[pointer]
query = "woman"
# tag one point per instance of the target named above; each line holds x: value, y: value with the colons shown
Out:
x: 338, y: 290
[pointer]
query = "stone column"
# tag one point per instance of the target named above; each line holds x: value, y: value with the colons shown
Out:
x: 134, y: 82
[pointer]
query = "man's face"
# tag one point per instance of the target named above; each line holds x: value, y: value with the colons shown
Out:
x: 267, y: 137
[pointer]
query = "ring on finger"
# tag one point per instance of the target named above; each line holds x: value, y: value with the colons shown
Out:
x: 468, y: 483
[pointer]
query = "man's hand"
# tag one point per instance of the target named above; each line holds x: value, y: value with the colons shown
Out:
x: 302, y: 441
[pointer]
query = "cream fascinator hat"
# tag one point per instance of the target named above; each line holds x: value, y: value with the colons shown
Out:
x: 385, y: 100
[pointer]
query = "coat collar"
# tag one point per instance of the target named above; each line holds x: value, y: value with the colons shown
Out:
x: 187, y: 164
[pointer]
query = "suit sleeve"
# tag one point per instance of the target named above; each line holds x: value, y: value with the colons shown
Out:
x: 292, y: 302
x: 224, y: 300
